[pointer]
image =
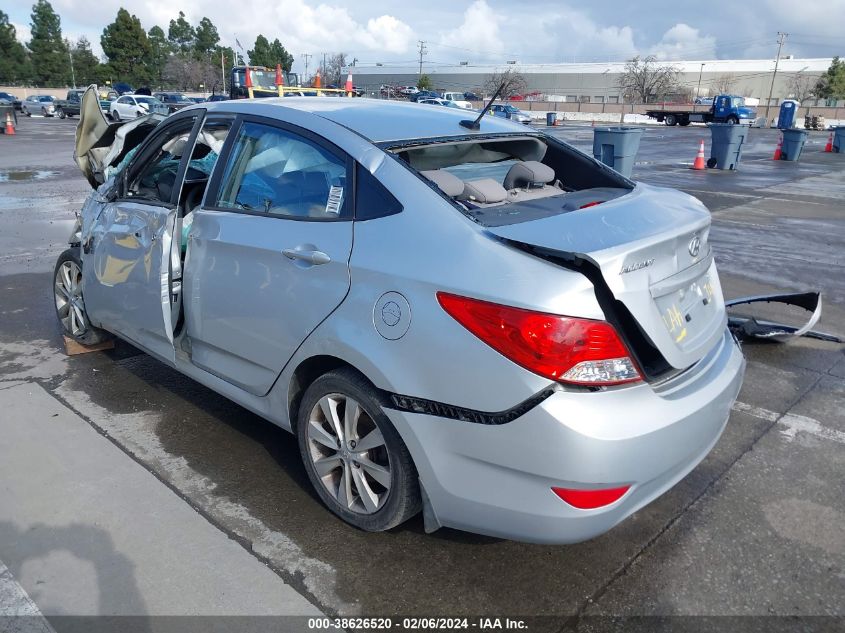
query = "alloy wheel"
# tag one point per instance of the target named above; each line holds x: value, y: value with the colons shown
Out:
x: 349, y: 454
x: 68, y: 295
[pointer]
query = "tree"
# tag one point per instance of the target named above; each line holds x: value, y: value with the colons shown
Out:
x: 85, y: 63
x: 514, y: 83
x: 831, y: 85
x: 206, y: 39
x: 50, y: 62
x: 127, y: 48
x: 801, y: 87
x: 160, y: 51
x: 724, y: 84
x: 424, y: 82
x: 186, y: 73
x: 280, y: 55
x: 644, y: 80
x: 181, y: 34
x: 259, y: 55
x: 13, y: 58
x: 335, y: 70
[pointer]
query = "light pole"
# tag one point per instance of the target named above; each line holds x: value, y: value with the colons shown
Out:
x: 698, y: 90
x: 606, y: 90
x: 72, y: 74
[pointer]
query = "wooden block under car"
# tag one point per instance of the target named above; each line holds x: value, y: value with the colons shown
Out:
x: 72, y: 348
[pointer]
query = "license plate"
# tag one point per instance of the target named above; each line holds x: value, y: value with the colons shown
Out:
x: 686, y: 310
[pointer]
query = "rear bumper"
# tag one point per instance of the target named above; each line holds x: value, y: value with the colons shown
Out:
x: 497, y: 480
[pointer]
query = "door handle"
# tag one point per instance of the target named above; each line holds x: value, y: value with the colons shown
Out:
x: 314, y: 258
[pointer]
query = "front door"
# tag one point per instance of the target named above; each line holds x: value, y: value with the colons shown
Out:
x: 132, y: 266
x: 268, y: 253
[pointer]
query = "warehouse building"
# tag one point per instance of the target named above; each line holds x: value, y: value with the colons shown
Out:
x: 598, y: 82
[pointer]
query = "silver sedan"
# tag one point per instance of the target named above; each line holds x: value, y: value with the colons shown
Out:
x: 462, y: 317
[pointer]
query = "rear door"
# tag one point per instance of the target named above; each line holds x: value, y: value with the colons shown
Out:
x: 131, y: 266
x: 268, y: 252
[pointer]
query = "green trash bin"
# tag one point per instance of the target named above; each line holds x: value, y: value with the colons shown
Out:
x: 793, y: 143
x: 617, y: 147
x: 839, y: 139
x: 726, y: 144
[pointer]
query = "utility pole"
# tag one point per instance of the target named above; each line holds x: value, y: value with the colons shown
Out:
x: 323, y: 71
x: 698, y: 90
x: 307, y: 56
x: 781, y: 38
x: 422, y: 52
x: 72, y: 74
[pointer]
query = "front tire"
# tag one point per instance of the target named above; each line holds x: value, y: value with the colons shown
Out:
x: 355, y: 459
x: 70, y: 307
x: 61, y: 113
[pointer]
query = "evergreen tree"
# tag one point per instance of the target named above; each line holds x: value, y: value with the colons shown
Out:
x: 266, y: 54
x: 85, y: 63
x: 831, y: 84
x: 160, y: 51
x: 49, y: 56
x: 181, y: 34
x: 279, y: 55
x: 13, y: 58
x: 127, y: 48
x: 205, y: 42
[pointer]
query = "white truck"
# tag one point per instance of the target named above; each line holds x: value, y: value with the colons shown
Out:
x: 458, y: 99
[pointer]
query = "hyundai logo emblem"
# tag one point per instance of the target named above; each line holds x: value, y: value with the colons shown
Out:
x: 694, y: 246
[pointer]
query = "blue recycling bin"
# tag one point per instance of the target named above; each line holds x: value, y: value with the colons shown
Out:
x: 839, y: 139
x: 617, y: 147
x: 788, y: 115
x: 793, y: 143
x: 726, y: 144
x: 551, y: 118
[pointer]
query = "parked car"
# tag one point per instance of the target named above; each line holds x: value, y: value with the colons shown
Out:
x: 39, y: 104
x: 173, y: 100
x: 423, y: 94
x: 197, y: 99
x: 12, y: 99
x: 471, y: 96
x: 545, y: 411
x: 508, y: 111
x: 409, y: 90
x: 122, y: 88
x: 458, y: 99
x: 704, y: 100
x: 69, y: 106
x: 214, y: 98
x: 132, y: 106
x: 441, y: 102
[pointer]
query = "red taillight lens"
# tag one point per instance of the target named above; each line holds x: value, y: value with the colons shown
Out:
x: 590, y: 499
x: 562, y: 348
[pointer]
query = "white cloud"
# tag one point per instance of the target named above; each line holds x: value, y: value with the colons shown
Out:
x: 479, y: 34
x: 684, y: 42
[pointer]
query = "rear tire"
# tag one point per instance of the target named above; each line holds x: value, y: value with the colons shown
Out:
x: 115, y: 116
x: 374, y: 489
x: 670, y: 119
x: 70, y: 306
x: 732, y: 120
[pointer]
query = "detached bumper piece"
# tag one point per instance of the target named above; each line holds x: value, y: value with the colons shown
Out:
x: 747, y: 328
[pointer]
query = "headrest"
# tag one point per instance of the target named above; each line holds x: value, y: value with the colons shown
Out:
x: 528, y: 173
x: 483, y: 190
x: 448, y: 183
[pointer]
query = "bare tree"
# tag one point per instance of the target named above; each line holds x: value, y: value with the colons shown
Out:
x: 186, y: 73
x: 646, y: 80
x: 724, y: 84
x: 513, y: 80
x: 334, y: 70
x: 801, y: 87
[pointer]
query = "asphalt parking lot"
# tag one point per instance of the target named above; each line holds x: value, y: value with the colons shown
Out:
x: 758, y: 529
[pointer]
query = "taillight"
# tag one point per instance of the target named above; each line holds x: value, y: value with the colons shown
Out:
x: 567, y: 349
x: 590, y: 499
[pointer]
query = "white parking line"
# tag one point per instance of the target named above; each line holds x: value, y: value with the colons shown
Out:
x: 794, y: 423
x: 16, y: 603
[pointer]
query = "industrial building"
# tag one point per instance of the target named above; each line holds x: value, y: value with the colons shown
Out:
x: 598, y: 82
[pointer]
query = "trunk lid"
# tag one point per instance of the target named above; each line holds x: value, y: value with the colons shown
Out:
x: 652, y: 250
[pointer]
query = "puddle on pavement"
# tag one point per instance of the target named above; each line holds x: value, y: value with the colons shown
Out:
x: 26, y: 175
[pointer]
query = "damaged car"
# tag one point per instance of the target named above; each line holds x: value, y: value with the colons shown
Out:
x: 471, y: 319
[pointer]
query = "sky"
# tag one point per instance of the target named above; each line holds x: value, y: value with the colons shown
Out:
x: 489, y: 31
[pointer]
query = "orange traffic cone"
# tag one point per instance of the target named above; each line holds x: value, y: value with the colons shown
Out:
x: 778, y: 149
x: 10, y: 127
x: 699, y: 158
x: 317, y: 80
x: 827, y: 148
x: 349, y: 84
